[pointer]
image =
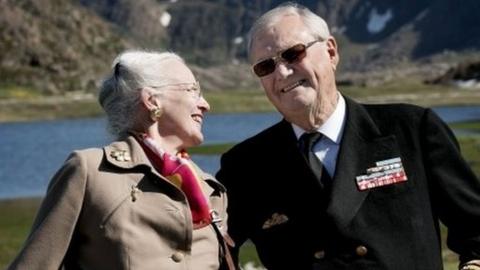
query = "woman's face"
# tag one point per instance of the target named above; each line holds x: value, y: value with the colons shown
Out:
x: 183, y: 107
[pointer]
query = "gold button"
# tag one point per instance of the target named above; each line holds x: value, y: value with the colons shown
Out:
x: 361, y: 251
x: 319, y: 254
x: 177, y: 257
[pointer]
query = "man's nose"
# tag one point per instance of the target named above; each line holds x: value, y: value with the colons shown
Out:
x: 283, y: 69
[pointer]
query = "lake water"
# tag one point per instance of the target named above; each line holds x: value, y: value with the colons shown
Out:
x: 31, y: 152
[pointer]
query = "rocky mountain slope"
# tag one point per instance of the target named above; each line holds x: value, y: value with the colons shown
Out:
x: 59, y: 46
x: 54, y: 45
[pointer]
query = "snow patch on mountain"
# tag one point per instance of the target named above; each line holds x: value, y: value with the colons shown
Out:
x: 378, y: 21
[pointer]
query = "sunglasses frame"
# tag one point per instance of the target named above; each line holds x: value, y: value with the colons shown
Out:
x: 278, y: 57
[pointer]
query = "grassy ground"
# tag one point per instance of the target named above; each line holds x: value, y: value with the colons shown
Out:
x: 17, y: 217
x: 470, y: 125
x: 19, y: 104
x: 210, y: 149
x: 470, y: 147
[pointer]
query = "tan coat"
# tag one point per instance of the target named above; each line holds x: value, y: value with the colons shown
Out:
x: 109, y: 209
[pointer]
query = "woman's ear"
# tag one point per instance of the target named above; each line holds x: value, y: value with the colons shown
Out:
x: 148, y: 99
x: 332, y: 52
x: 151, y: 103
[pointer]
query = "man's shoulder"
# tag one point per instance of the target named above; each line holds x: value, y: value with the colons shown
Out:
x: 400, y: 108
x: 394, y: 112
x: 388, y: 117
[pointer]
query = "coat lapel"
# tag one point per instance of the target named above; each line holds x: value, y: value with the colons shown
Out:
x: 362, y: 145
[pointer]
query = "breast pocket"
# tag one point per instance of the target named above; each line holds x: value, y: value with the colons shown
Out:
x: 281, y: 233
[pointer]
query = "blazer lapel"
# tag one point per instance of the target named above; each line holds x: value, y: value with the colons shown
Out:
x: 362, y: 145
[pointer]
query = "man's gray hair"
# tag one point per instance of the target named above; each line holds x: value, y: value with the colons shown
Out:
x: 119, y: 94
x: 315, y: 24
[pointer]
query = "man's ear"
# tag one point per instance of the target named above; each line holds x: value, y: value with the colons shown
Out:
x: 333, y: 52
x: 148, y: 99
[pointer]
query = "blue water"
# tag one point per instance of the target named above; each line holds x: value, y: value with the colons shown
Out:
x: 31, y: 152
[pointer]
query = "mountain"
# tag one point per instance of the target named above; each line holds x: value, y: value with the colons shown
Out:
x: 371, y: 32
x: 54, y: 45
x: 413, y: 30
x: 141, y: 20
x: 65, y: 45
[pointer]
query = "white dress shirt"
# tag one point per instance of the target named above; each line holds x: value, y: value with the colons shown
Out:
x: 327, y: 148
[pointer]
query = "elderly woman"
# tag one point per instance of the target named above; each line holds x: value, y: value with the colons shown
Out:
x: 140, y: 202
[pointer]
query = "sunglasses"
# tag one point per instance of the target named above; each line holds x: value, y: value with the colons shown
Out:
x: 291, y: 55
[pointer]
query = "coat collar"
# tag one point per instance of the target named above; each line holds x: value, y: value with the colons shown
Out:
x: 128, y: 154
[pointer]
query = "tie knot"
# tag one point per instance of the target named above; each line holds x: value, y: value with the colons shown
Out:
x: 307, y: 140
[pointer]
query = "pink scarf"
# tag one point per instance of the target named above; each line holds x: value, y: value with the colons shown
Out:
x: 180, y: 171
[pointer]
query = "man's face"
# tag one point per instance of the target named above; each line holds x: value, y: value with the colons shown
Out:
x: 304, y: 91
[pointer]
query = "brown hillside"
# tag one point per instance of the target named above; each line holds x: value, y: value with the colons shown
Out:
x: 54, y: 45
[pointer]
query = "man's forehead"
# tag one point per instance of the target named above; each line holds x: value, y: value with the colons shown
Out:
x: 272, y: 41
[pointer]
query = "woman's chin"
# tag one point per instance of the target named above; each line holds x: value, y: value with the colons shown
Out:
x: 195, y: 141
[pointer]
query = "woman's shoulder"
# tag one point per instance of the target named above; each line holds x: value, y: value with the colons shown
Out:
x: 96, y: 154
x: 88, y: 155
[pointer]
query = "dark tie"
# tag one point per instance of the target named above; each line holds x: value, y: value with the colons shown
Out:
x: 307, y: 141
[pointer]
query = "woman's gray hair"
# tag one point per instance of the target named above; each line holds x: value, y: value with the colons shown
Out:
x: 315, y: 24
x: 119, y: 94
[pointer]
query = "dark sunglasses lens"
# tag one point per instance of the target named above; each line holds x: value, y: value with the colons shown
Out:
x: 264, y: 68
x: 294, y: 54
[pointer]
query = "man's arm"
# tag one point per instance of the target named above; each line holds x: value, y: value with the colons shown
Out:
x: 454, y: 188
x: 230, y: 176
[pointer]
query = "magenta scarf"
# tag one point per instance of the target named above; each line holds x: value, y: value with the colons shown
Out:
x: 179, y: 170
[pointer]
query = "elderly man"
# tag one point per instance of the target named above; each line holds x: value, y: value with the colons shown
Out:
x: 337, y: 184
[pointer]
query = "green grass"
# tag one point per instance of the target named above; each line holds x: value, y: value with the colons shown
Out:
x: 248, y: 253
x: 469, y: 125
x: 28, y: 110
x: 210, y: 149
x: 21, y: 104
x: 41, y: 108
x: 470, y: 147
x: 412, y: 91
x: 17, y: 217
x: 239, y: 101
x: 18, y: 92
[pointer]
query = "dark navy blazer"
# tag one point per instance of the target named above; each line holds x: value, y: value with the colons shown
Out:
x: 388, y: 227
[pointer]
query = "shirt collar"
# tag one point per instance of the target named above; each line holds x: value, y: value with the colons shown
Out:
x: 333, y: 127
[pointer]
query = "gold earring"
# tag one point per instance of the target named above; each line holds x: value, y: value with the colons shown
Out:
x: 155, y: 113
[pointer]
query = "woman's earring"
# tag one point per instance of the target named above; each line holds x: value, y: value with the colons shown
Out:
x: 155, y: 113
